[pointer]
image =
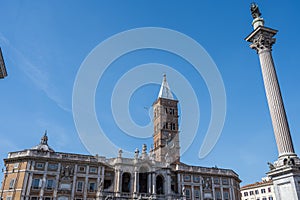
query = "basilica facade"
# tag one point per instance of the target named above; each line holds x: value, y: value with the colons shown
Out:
x: 40, y: 173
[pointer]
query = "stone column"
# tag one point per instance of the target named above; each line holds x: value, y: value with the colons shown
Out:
x: 86, y: 182
x: 74, y: 182
x: 30, y: 179
x: 262, y: 41
x: 56, y: 181
x: 136, y: 179
x: 179, y: 184
x: 44, y: 181
x: 27, y: 173
x: 153, y: 183
x: 149, y: 183
x: 118, y: 182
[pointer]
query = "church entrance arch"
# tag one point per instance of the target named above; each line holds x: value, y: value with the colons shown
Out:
x: 160, y: 184
x: 126, y: 183
x: 143, y: 180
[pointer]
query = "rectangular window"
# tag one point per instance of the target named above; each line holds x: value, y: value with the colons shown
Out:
x: 53, y: 166
x: 188, y: 193
x: 12, y: 183
x: 16, y: 165
x: 269, y: 189
x: 92, y: 187
x: 34, y: 198
x: 218, y: 195
x: 216, y: 181
x: 93, y: 170
x: 196, y: 179
x: 256, y: 192
x: 81, y: 169
x: 79, y: 186
x: 197, y: 194
x: 39, y: 165
x: 245, y: 194
x: 50, y: 184
x: 263, y: 191
x: 187, y: 178
x: 225, y: 181
x: 264, y: 198
x: 251, y: 193
x: 226, y: 195
x: 270, y: 198
x: 47, y: 198
x: 36, y: 183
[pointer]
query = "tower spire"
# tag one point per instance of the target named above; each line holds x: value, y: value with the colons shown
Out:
x: 165, y: 91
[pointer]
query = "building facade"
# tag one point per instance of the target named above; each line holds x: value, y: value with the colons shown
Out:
x: 263, y: 190
x: 40, y: 173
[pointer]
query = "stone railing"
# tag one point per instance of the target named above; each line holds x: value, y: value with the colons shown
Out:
x: 206, y: 170
x: 55, y: 155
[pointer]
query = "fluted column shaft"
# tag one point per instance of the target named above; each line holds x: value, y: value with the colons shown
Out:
x: 276, y: 107
x: 262, y: 41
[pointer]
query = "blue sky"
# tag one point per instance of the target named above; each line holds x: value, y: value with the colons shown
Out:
x: 45, y: 42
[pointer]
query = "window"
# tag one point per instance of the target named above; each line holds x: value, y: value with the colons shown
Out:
x: 187, y: 178
x: 263, y: 191
x: 173, y: 126
x: 216, y: 181
x: 12, y: 183
x: 34, y: 198
x: 225, y: 181
x: 197, y: 194
x: 9, y: 198
x: 245, y: 194
x: 226, y: 195
x: 79, y: 186
x: 92, y: 187
x: 218, y: 195
x: 93, y: 170
x: 188, y: 193
x: 36, y: 183
x: 256, y: 192
x: 47, y: 198
x: 53, y: 166
x: 50, y: 184
x: 39, y: 165
x: 269, y: 189
x: 270, y: 198
x: 251, y: 193
x: 81, y: 169
x: 264, y: 198
x: 16, y: 165
x: 196, y: 179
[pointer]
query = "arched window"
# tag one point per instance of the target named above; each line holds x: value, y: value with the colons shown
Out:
x: 126, y: 182
x: 159, y: 184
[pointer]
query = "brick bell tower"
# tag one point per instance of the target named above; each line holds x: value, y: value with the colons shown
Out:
x: 165, y: 120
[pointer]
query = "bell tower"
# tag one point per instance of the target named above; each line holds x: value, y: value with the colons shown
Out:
x: 165, y: 120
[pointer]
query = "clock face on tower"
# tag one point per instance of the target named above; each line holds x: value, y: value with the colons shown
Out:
x: 165, y: 135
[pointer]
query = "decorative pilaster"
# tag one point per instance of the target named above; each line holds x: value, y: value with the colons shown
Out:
x: 44, y: 181
x: 74, y: 182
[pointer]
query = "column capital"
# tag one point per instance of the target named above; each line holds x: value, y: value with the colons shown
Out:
x: 262, y: 39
